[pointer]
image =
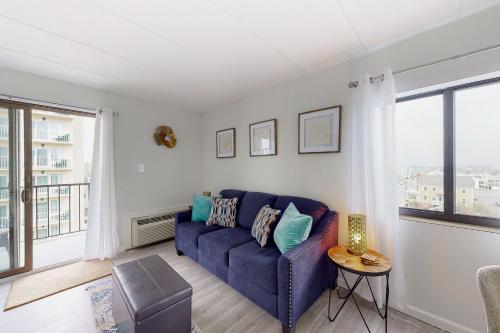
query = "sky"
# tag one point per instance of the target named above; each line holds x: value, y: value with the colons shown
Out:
x: 419, y: 129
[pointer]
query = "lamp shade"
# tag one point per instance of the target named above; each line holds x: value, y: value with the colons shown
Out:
x: 356, y: 226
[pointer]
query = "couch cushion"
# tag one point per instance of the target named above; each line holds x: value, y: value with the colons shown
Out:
x: 292, y: 229
x: 229, y: 193
x: 258, y: 265
x: 310, y: 207
x: 201, y: 208
x: 266, y: 300
x: 186, y: 236
x: 214, y: 247
x: 250, y: 206
x: 223, y: 212
x: 262, y: 226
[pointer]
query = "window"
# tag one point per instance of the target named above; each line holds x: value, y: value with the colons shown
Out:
x: 42, y: 213
x: 420, y: 157
x: 438, y: 135
x: 40, y: 157
x: 4, y: 187
x: 42, y: 180
x: 55, y: 179
x: 54, y: 206
x: 4, y: 128
x: 4, y: 157
x: 40, y: 129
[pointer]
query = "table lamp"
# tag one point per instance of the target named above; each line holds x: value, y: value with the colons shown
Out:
x: 357, y: 234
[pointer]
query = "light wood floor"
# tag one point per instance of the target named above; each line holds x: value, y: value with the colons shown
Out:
x: 216, y: 307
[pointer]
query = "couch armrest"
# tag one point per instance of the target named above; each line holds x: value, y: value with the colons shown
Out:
x: 183, y: 216
x: 305, y: 272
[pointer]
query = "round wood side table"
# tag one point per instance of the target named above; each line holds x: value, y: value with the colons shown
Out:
x: 345, y: 261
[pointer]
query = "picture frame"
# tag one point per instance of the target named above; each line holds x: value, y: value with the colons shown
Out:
x: 263, y: 138
x: 225, y: 143
x: 319, y: 130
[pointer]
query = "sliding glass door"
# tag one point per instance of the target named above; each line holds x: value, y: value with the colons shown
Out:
x: 16, y: 238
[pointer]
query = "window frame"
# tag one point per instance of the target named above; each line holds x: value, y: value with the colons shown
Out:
x: 449, y: 195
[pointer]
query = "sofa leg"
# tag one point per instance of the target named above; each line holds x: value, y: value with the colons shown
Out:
x: 179, y: 252
x: 288, y: 329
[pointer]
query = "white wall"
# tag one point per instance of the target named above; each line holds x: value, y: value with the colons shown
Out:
x: 440, y: 261
x: 171, y: 175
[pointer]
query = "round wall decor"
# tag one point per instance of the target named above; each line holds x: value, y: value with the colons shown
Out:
x: 164, y: 135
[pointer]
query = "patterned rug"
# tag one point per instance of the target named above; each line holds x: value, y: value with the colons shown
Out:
x: 100, y: 298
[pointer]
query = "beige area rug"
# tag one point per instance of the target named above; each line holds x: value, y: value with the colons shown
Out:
x: 40, y: 285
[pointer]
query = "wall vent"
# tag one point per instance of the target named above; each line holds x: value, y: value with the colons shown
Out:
x: 153, y: 228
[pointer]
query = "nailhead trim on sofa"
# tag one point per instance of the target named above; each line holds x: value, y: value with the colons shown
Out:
x: 291, y: 271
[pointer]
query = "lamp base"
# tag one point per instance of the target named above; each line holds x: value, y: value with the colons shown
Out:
x: 355, y: 252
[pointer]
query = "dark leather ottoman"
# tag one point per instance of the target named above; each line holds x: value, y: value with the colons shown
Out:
x: 150, y: 296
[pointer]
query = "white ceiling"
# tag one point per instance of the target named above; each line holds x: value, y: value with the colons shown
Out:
x: 200, y: 54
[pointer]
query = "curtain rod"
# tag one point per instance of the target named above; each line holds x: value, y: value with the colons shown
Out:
x: 50, y: 104
x: 354, y: 84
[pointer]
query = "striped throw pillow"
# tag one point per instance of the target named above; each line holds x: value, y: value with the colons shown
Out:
x: 262, y: 225
x: 223, y: 212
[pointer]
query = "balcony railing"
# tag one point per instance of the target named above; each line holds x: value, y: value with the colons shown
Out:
x: 47, y: 162
x: 40, y: 135
x: 67, y: 216
x: 51, y: 137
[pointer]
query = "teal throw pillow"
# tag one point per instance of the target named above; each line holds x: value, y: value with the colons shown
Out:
x: 201, y: 208
x: 292, y: 229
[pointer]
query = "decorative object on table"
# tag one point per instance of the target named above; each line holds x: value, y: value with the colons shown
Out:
x: 164, y: 135
x: 345, y: 261
x: 100, y: 299
x: 261, y: 228
x: 356, y: 226
x: 263, y: 138
x: 319, y: 131
x: 368, y: 259
x: 292, y: 229
x: 223, y: 212
x: 226, y: 143
x: 201, y: 208
x: 207, y: 193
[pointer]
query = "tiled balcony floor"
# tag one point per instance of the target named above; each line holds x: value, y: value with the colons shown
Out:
x: 54, y: 250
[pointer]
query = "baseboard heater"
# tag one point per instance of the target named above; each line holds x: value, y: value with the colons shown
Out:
x: 153, y: 228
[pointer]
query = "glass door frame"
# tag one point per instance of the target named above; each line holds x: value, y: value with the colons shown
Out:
x: 26, y: 194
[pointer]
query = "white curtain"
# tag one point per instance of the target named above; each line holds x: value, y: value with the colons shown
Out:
x: 373, y: 180
x: 102, y: 237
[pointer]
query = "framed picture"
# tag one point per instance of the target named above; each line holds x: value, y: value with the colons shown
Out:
x: 319, y: 131
x: 226, y: 143
x: 263, y: 138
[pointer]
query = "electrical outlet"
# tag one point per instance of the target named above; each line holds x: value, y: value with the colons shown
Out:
x: 141, y: 168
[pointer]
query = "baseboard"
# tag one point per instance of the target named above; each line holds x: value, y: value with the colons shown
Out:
x: 427, y: 317
x: 438, y: 321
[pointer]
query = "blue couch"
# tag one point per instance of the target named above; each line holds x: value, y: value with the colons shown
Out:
x: 285, y: 285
